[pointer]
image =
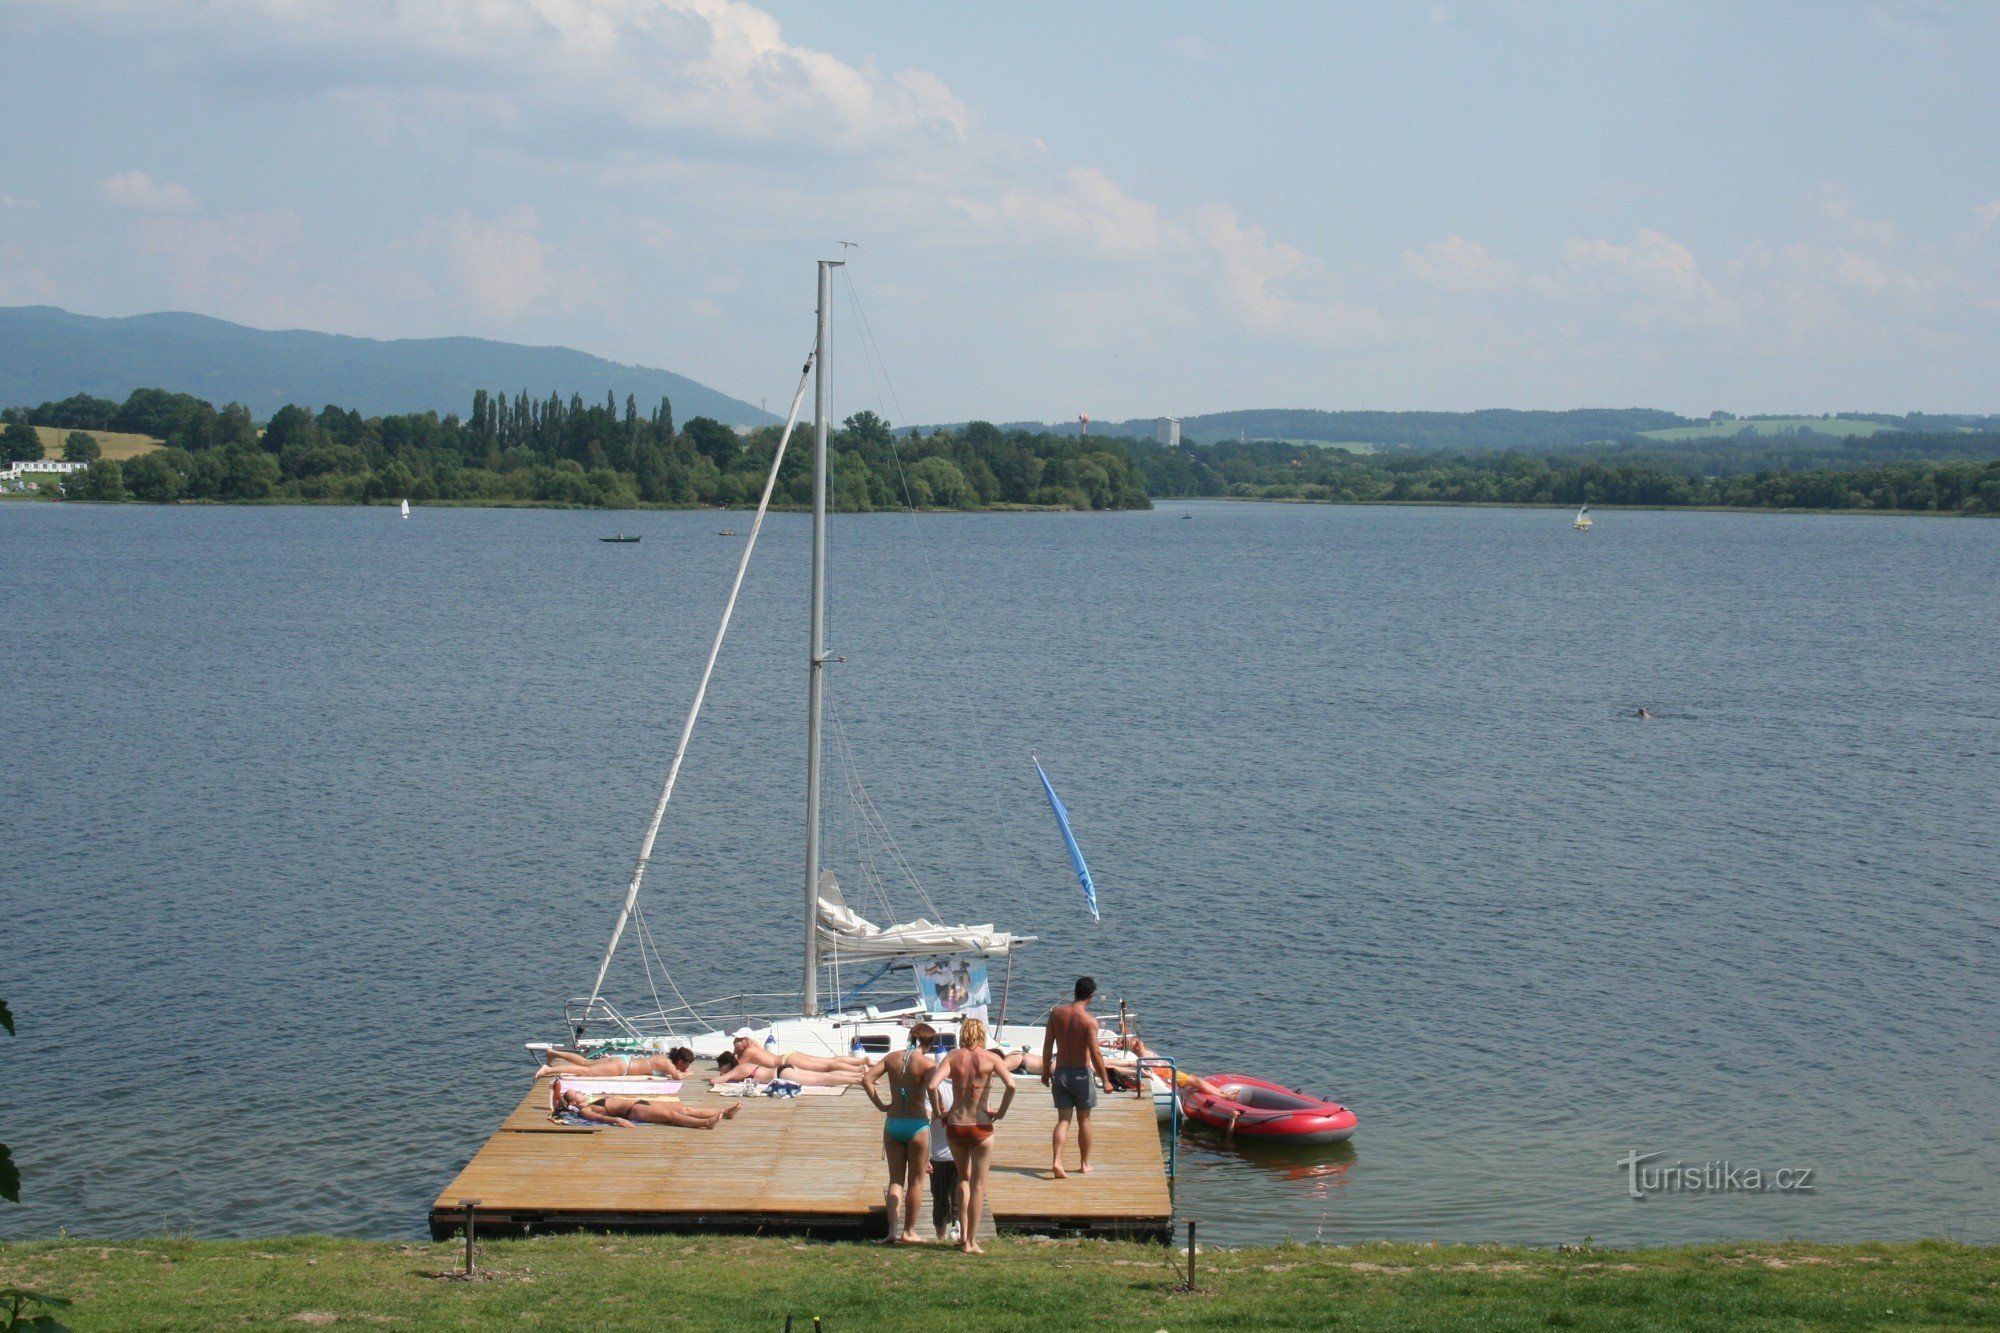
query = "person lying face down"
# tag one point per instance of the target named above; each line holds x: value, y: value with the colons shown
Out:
x: 630, y: 1112
x: 731, y: 1070
x: 570, y: 1064
x: 750, y: 1052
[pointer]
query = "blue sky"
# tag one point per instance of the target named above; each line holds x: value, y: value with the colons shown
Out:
x: 1120, y: 209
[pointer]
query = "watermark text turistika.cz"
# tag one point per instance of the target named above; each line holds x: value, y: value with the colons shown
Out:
x: 1724, y: 1177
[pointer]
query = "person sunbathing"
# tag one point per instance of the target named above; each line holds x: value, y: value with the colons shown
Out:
x: 731, y: 1070
x: 749, y: 1052
x: 632, y: 1112
x: 570, y: 1064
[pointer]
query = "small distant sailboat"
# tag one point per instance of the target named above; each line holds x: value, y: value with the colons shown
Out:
x: 621, y: 537
x: 1583, y: 519
x: 406, y: 509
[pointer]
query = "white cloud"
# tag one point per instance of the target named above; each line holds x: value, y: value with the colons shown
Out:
x: 498, y: 268
x: 1261, y: 279
x: 1458, y: 265
x: 140, y: 193
x: 720, y: 68
x: 1652, y: 281
x: 210, y: 259
x: 1090, y: 208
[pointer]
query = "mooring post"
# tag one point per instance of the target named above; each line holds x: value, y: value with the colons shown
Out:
x: 1190, y: 1254
x: 469, y: 1205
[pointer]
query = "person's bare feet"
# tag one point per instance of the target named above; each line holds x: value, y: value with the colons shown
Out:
x: 911, y: 1238
x: 1056, y: 1172
x: 1083, y: 1170
x: 730, y: 1114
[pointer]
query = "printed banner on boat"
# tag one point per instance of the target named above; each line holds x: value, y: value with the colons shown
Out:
x: 954, y: 986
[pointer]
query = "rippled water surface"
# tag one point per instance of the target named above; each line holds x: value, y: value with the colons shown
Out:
x: 313, y: 815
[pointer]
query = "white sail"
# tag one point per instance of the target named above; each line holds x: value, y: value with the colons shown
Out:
x: 845, y: 933
x: 406, y: 509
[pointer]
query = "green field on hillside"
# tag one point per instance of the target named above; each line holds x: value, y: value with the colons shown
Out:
x: 115, y: 444
x: 1723, y: 430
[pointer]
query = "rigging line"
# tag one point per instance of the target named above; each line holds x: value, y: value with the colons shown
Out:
x: 967, y: 707
x: 701, y: 691
x: 646, y: 938
x: 851, y: 780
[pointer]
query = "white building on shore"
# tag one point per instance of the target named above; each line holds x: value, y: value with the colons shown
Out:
x: 15, y: 471
x: 1167, y: 430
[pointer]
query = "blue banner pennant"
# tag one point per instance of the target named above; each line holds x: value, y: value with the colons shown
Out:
x: 1069, y: 840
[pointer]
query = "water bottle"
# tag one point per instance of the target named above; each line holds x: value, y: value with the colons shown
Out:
x: 858, y: 1048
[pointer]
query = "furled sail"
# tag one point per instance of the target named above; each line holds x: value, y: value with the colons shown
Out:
x: 846, y: 933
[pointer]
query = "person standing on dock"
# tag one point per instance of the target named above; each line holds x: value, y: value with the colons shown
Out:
x: 968, y: 1125
x: 906, y: 1133
x: 1073, y: 1069
x: 944, y: 1169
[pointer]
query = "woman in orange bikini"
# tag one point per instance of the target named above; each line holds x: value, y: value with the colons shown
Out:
x: 968, y: 1125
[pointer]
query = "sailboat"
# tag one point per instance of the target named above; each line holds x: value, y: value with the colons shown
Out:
x: 406, y: 509
x: 1583, y: 519
x: 863, y: 985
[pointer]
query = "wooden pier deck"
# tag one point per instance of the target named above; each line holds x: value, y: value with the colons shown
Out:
x: 809, y: 1165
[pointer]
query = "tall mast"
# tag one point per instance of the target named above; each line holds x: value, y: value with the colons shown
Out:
x: 822, y: 389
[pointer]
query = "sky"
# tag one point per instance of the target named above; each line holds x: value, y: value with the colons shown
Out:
x: 1124, y: 209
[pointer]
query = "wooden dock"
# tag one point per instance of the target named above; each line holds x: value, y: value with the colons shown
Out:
x: 810, y: 1165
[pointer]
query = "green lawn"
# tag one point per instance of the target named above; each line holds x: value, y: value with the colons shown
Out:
x: 1723, y: 430
x: 746, y: 1283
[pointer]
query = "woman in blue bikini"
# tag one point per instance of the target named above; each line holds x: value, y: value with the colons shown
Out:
x: 906, y: 1133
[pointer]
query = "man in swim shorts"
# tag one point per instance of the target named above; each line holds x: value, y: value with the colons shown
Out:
x: 1073, y: 1069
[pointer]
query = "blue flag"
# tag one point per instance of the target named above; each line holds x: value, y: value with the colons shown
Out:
x: 1069, y: 840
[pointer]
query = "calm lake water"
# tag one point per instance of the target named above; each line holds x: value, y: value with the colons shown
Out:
x: 314, y: 815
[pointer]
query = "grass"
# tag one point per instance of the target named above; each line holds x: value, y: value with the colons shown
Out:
x: 1724, y: 430
x: 747, y: 1283
x: 115, y: 444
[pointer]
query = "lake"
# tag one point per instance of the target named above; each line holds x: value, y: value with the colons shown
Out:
x: 314, y: 815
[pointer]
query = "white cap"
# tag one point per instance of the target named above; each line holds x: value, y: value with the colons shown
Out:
x: 742, y: 1032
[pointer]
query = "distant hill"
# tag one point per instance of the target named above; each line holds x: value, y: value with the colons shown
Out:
x: 48, y: 354
x: 1492, y: 428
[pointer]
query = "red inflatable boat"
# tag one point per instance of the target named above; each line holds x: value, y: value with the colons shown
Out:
x: 1265, y: 1111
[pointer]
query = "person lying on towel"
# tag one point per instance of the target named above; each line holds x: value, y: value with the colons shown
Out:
x: 569, y: 1064
x: 732, y: 1070
x: 748, y: 1052
x: 634, y: 1111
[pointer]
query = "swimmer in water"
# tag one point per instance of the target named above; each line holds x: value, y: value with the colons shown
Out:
x: 1642, y: 712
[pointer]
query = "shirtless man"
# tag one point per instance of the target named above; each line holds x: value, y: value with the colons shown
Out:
x: 749, y: 1052
x: 569, y: 1064
x: 1073, y: 1069
x: 634, y: 1111
x: 968, y: 1124
x: 906, y: 1134
x: 731, y: 1070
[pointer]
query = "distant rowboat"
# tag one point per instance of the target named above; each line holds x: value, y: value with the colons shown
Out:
x: 621, y: 537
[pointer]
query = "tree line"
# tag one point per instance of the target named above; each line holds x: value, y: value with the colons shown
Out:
x: 523, y: 450
x: 1965, y: 480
